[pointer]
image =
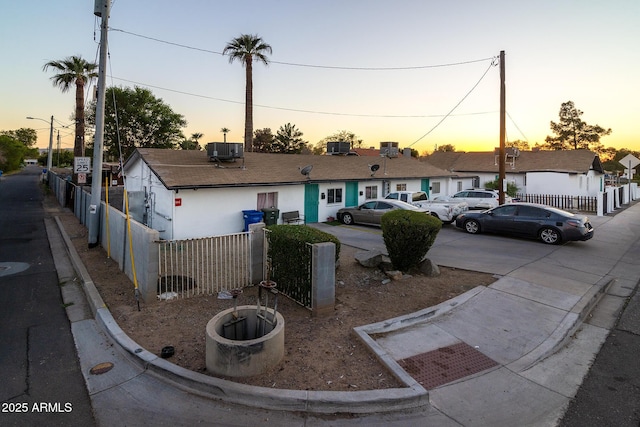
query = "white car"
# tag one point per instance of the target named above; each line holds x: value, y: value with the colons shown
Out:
x: 480, y: 199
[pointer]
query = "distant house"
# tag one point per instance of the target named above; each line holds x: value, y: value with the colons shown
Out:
x: 564, y: 172
x: 183, y: 194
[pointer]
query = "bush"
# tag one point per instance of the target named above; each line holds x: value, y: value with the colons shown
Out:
x: 290, y: 257
x: 408, y: 236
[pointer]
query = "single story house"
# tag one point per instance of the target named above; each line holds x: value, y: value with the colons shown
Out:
x: 182, y: 194
x: 562, y: 172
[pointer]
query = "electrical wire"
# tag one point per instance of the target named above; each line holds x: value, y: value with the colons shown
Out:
x: 329, y: 113
x: 293, y: 64
x: 514, y: 123
x: 493, y: 64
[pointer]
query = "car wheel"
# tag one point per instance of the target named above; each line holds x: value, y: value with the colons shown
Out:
x: 472, y: 226
x: 347, y: 219
x: 550, y: 236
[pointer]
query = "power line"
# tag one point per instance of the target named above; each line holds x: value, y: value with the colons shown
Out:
x: 328, y: 113
x: 293, y: 64
x: 493, y: 64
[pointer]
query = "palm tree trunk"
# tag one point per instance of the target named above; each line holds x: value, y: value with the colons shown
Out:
x: 78, y: 146
x: 248, y: 107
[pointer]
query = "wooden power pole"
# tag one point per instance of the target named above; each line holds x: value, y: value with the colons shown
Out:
x: 503, y: 109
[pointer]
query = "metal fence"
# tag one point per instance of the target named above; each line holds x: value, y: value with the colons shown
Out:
x: 576, y: 203
x: 203, y: 266
x: 293, y: 276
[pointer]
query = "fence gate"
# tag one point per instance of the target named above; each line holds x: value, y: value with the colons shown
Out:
x: 203, y: 266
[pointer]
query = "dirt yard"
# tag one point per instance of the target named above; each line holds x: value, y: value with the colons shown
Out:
x: 321, y: 353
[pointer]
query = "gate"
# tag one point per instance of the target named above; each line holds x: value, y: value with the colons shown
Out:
x: 203, y: 266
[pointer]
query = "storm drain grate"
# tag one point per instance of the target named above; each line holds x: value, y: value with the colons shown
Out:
x: 446, y: 364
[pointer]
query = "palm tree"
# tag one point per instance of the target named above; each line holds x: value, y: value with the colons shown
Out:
x: 195, y: 137
x: 225, y: 131
x: 74, y: 70
x: 245, y: 48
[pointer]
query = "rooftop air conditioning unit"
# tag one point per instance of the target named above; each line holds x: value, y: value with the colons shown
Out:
x: 225, y: 151
x: 389, y: 149
x: 339, y: 147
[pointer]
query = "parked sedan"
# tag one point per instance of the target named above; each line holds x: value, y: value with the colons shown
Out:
x: 551, y: 225
x: 371, y: 211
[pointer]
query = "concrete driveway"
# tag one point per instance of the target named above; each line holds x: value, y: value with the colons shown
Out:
x: 487, y: 253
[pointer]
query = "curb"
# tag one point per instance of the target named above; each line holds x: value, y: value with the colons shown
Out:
x: 321, y: 402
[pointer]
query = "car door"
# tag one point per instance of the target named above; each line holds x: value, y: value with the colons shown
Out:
x: 364, y: 214
x: 528, y: 220
x: 500, y: 219
x: 381, y: 209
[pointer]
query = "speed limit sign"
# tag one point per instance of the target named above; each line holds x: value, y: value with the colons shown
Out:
x: 81, y: 164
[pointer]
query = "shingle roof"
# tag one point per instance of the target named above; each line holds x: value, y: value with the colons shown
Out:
x: 569, y: 161
x: 191, y: 169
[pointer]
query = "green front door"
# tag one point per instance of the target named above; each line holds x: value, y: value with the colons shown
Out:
x: 311, y: 203
x: 424, y: 186
x: 351, y: 196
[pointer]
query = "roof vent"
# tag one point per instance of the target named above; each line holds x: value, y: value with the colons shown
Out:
x: 225, y: 151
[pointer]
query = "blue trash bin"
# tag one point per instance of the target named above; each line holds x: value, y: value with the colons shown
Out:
x: 251, y: 217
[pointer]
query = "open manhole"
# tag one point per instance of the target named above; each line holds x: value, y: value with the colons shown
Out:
x: 446, y: 364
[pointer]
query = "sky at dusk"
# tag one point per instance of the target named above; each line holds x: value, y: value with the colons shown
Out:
x: 422, y: 73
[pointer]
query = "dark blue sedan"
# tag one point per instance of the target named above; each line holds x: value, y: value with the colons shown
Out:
x: 551, y: 225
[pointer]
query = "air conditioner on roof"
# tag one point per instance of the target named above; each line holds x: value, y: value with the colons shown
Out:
x: 225, y: 151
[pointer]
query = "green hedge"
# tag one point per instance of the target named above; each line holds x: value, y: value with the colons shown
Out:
x: 408, y: 236
x: 290, y: 258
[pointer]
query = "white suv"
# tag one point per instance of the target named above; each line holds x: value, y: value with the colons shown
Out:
x: 480, y: 199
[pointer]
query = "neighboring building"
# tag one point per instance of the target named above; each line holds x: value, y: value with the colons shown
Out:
x: 562, y: 172
x: 184, y: 195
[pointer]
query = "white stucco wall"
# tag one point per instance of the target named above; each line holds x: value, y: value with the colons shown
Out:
x: 564, y: 184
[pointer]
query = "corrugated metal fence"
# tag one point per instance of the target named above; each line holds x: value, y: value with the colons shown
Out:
x: 203, y: 266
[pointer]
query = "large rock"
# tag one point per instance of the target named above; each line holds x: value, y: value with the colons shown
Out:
x: 429, y: 268
x: 369, y: 259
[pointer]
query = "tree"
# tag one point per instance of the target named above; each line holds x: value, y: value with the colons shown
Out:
x: 445, y: 148
x: 288, y: 140
x: 573, y: 133
x: 12, y: 153
x: 142, y: 121
x: 263, y: 141
x: 246, y: 48
x: 26, y: 136
x: 74, y: 70
x: 343, y: 136
x: 225, y: 131
x: 520, y: 145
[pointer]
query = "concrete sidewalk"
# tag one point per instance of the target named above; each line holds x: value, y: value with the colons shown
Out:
x: 522, y: 347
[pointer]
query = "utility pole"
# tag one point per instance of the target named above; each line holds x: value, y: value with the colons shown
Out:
x: 58, y: 160
x: 503, y: 109
x: 102, y: 9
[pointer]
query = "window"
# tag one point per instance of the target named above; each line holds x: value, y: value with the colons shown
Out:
x: 267, y: 200
x: 435, y: 187
x: 334, y: 195
x: 459, y: 187
x: 401, y: 187
x: 371, y: 192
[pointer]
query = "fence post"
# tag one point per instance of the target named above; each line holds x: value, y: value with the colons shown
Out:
x: 323, y: 278
x: 257, y: 262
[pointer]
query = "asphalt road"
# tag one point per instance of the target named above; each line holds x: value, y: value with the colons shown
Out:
x: 39, y: 370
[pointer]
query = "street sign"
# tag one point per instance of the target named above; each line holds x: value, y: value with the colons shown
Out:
x: 81, y: 164
x: 629, y: 161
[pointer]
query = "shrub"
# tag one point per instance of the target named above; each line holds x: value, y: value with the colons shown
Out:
x: 290, y: 258
x: 408, y: 236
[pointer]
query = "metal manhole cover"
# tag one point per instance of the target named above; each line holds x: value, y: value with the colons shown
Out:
x: 101, y: 368
x: 446, y: 364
